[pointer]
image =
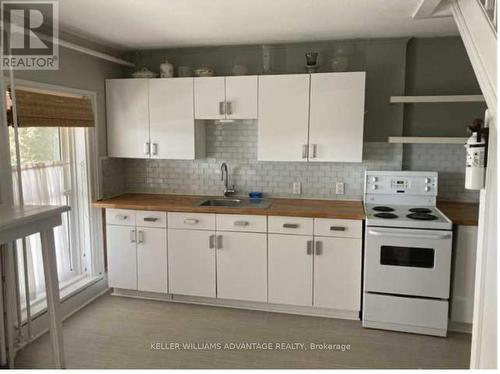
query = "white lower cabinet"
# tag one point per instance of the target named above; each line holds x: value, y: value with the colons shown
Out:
x: 122, y: 256
x: 337, y: 273
x: 152, y: 259
x: 242, y: 266
x: 191, y: 262
x: 290, y: 269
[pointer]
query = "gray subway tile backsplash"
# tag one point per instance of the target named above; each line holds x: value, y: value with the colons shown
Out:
x: 236, y: 144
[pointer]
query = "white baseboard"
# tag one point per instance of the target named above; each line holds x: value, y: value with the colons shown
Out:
x: 225, y: 303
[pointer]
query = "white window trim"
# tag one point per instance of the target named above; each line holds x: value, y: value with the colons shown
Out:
x: 96, y: 267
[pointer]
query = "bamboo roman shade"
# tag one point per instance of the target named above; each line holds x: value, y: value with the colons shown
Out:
x: 40, y: 109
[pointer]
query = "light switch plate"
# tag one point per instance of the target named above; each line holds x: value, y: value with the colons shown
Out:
x: 297, y: 188
x: 339, y: 188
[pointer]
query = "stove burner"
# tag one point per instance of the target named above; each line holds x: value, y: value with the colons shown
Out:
x: 420, y: 210
x: 385, y: 215
x: 383, y: 209
x: 422, y: 216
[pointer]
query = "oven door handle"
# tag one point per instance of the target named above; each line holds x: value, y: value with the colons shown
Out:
x: 403, y: 235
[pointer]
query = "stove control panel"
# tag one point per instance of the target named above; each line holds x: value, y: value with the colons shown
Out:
x: 401, y: 183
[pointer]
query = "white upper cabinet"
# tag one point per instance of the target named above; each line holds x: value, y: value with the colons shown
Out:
x: 241, y: 97
x: 127, y: 118
x: 171, y: 119
x: 337, y: 117
x: 225, y: 97
x: 283, y: 117
x: 209, y: 97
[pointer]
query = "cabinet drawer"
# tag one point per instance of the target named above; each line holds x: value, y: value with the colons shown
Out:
x: 290, y: 225
x: 198, y: 221
x: 146, y: 218
x: 123, y: 217
x: 343, y: 228
x: 242, y: 223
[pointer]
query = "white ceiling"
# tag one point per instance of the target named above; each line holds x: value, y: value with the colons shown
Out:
x: 143, y: 24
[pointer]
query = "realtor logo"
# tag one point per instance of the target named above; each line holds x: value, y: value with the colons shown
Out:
x: 29, y: 35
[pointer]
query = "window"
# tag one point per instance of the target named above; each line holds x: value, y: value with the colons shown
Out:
x: 55, y: 169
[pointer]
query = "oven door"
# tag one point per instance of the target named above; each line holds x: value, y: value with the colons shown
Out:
x: 408, y: 261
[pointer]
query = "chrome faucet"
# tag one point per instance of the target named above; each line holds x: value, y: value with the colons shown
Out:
x: 225, y: 178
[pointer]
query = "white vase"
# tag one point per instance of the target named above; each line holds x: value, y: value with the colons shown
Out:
x: 167, y: 70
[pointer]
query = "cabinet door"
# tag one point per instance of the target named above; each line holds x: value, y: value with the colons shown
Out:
x: 127, y: 118
x: 209, y: 98
x: 171, y: 118
x: 290, y: 269
x: 191, y: 262
x: 152, y: 259
x: 337, y: 117
x: 122, y: 256
x: 241, y: 97
x: 337, y: 273
x: 242, y: 266
x: 283, y: 117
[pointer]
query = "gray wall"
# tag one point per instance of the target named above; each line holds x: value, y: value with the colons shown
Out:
x: 383, y: 60
x: 81, y: 71
x: 394, y: 67
x: 439, y: 66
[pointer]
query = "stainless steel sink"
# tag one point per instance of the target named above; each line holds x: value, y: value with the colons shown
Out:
x: 236, y: 203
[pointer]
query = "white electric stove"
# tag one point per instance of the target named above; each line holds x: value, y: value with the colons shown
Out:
x: 407, y: 260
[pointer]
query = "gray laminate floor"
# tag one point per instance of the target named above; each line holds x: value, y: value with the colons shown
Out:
x: 115, y: 332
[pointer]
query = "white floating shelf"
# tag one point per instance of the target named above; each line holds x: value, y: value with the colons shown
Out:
x: 426, y: 140
x: 437, y: 99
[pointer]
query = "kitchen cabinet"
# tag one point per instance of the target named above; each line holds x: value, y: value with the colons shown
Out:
x: 137, y: 254
x: 173, y: 131
x: 283, y: 117
x: 191, y: 262
x: 122, y: 257
x: 290, y: 269
x: 152, y: 259
x: 337, y: 273
x: 320, y: 116
x: 220, y: 98
x: 242, y: 266
x: 153, y: 118
x: 336, y: 117
x: 127, y: 118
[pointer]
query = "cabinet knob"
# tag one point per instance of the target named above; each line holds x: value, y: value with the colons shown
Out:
x: 150, y: 219
x: 337, y: 228
x: 219, y: 241
x: 291, y: 225
x: 305, y: 151
x: 309, y: 249
x: 121, y: 216
x: 229, y: 108
x: 132, y: 236
x: 319, y: 248
x: 211, y: 242
x: 221, y: 108
x: 241, y: 223
x: 191, y: 221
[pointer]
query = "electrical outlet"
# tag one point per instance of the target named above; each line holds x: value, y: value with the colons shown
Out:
x: 339, y: 188
x: 296, y: 188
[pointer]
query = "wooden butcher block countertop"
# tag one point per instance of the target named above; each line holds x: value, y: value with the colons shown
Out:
x: 341, y: 209
x: 465, y: 214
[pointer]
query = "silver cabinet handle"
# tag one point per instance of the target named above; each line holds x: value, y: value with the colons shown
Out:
x: 219, y: 241
x: 211, y: 242
x: 191, y: 221
x: 241, y: 223
x: 140, y: 235
x: 154, y: 149
x: 132, y: 236
x: 221, y: 107
x: 121, y: 216
x: 147, y: 148
x: 337, y: 228
x: 291, y: 225
x: 229, y: 109
x: 319, y: 248
x: 314, y: 149
x: 150, y: 219
x: 309, y: 250
x: 305, y: 150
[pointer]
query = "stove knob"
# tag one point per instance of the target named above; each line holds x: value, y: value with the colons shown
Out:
x: 374, y: 187
x: 427, y: 180
x: 374, y: 179
x: 427, y: 188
